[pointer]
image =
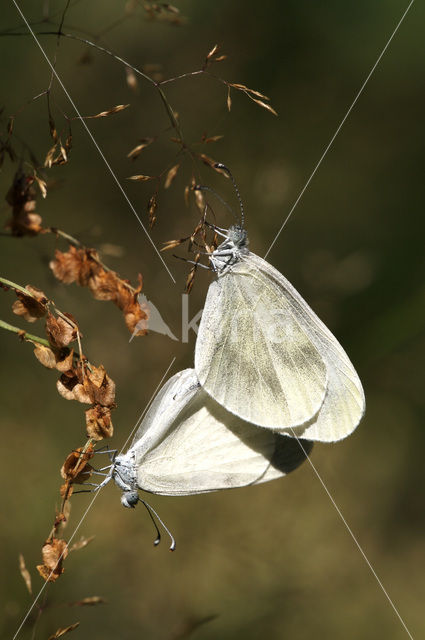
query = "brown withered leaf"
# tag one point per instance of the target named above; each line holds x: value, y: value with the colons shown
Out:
x: 171, y: 175
x: 31, y: 307
x: 64, y: 361
x: 81, y: 394
x: 109, y: 112
x: 135, y: 318
x: 66, y: 385
x: 99, y: 423
x: 82, y: 542
x: 63, y: 630
x: 54, y: 553
x: 67, y: 266
x: 45, y: 356
x: 103, y: 284
x: 66, y: 490
x: 136, y: 151
x: 140, y: 178
x: 59, y: 332
x: 25, y: 573
x: 89, y: 601
x: 21, y: 197
x: 25, y: 224
x: 76, y: 466
x: 60, y: 519
x: 99, y: 387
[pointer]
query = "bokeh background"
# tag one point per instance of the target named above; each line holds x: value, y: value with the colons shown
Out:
x: 272, y: 561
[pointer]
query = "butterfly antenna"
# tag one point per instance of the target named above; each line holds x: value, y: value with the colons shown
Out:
x: 219, y: 165
x: 151, y: 511
x: 202, y: 187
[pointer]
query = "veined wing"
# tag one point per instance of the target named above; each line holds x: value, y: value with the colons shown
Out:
x: 205, y: 448
x: 253, y: 355
x: 344, y: 402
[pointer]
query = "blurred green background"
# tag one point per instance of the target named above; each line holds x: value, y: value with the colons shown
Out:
x: 272, y: 561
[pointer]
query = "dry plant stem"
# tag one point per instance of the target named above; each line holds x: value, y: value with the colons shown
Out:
x: 9, y: 327
x: 89, y: 43
x: 89, y: 444
x: 29, y: 337
x: 24, y: 290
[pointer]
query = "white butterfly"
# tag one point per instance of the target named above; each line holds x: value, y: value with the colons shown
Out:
x: 188, y: 444
x: 264, y: 355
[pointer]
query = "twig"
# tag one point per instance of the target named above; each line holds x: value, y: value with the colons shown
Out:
x: 29, y: 337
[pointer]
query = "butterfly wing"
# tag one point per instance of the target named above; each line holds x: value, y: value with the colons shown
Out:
x: 344, y: 403
x: 253, y: 355
x: 164, y: 410
x: 204, y: 448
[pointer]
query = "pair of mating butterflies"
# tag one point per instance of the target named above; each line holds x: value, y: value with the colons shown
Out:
x: 269, y: 379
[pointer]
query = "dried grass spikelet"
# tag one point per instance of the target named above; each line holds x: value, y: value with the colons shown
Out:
x: 171, y: 174
x: 136, y: 151
x: 171, y: 244
x: 208, y: 139
x: 132, y: 81
x: 256, y: 96
x: 22, y: 198
x: 152, y: 207
x: 81, y: 543
x: 90, y: 601
x: 58, y: 154
x: 108, y: 112
x: 213, y: 164
x: 63, y: 630
x: 164, y: 12
x: 140, y: 178
x: 213, y: 56
x: 25, y: 573
x: 191, y: 275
